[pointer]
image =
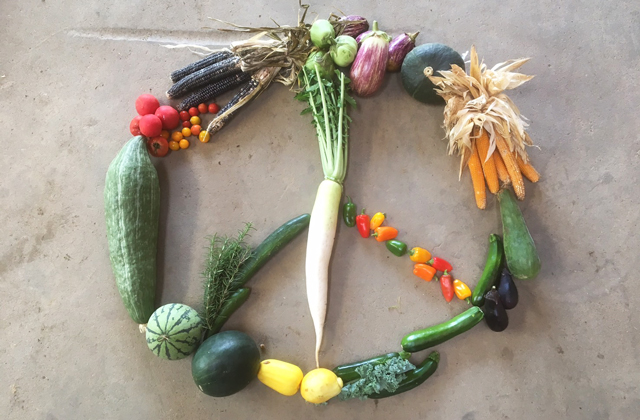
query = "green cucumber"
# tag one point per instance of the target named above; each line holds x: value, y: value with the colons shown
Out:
x: 438, y: 334
x: 270, y: 247
x: 519, y: 249
x: 132, y: 209
x: 232, y: 304
x: 414, y: 377
x: 490, y: 272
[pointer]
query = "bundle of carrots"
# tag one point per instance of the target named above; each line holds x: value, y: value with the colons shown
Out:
x: 484, y: 127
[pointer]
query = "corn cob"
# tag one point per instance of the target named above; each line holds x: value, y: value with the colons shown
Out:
x: 200, y: 64
x: 259, y: 81
x: 209, y: 92
x: 204, y: 76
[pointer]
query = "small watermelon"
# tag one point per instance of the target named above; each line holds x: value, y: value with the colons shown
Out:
x: 174, y: 331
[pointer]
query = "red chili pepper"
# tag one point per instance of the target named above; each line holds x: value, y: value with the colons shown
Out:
x: 440, y: 264
x: 362, y: 222
x: 447, y: 286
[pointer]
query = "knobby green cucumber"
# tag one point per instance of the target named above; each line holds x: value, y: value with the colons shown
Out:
x: 519, y: 249
x: 132, y: 208
x: 269, y: 247
x: 438, y: 334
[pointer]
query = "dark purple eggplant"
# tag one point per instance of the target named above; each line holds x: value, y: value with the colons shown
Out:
x: 507, y: 290
x: 369, y: 67
x: 494, y: 313
x: 399, y: 47
x: 354, y: 25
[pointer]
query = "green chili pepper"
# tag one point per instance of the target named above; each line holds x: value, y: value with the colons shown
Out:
x: 414, y: 377
x: 349, y: 213
x: 396, y: 247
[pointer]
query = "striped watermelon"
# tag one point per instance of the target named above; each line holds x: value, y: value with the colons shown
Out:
x: 174, y: 331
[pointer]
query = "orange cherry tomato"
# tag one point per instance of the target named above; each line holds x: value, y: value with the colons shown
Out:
x: 195, y: 120
x: 195, y: 130
x: 176, y: 136
x: 184, y: 144
x: 204, y: 136
x: 165, y: 134
x: 202, y: 108
x: 186, y: 132
x: 174, y: 145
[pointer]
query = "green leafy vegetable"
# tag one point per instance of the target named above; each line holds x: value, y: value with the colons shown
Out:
x: 374, y: 379
x: 226, y: 257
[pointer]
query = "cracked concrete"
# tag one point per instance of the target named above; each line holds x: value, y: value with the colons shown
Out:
x: 69, y: 75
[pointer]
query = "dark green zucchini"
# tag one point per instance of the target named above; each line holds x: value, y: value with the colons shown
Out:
x: 491, y: 270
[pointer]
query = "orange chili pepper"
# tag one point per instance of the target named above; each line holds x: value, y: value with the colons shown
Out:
x: 419, y: 255
x: 376, y: 220
x: 462, y: 290
x: 424, y: 271
x: 385, y: 233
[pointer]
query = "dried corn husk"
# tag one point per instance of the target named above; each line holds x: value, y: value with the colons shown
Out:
x: 478, y: 99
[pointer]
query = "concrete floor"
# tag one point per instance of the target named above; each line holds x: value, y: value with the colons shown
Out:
x: 69, y: 74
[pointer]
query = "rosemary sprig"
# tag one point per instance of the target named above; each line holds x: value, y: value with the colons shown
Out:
x: 225, y: 258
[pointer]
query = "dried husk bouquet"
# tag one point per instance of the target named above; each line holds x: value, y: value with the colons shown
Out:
x: 479, y: 119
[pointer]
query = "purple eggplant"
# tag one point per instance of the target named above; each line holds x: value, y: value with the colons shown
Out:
x: 399, y: 47
x: 354, y: 25
x: 367, y: 70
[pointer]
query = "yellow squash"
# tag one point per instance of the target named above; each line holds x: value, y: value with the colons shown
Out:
x: 320, y: 385
x: 280, y: 376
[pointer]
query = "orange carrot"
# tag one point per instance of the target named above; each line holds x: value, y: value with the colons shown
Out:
x: 502, y: 170
x: 512, y: 167
x: 528, y: 170
x: 475, y: 168
x: 488, y: 165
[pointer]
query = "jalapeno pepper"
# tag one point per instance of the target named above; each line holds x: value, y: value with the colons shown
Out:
x: 440, y: 264
x: 462, y: 290
x: 414, y: 377
x: 419, y: 255
x: 349, y: 213
x: 446, y: 286
x: 424, y: 271
x: 362, y: 222
x: 348, y: 372
x: 397, y: 248
x: 376, y: 220
x: 385, y: 233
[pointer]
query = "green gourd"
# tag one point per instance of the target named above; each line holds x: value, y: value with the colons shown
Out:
x: 132, y: 208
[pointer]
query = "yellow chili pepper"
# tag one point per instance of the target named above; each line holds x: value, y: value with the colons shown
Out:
x: 376, y: 220
x: 419, y: 255
x: 461, y: 289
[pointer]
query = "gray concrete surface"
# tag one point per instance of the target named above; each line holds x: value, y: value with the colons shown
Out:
x: 69, y: 74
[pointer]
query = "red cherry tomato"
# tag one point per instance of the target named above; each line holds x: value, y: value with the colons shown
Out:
x: 186, y: 124
x: 214, y: 108
x: 193, y: 111
x: 184, y: 115
x: 158, y: 146
x: 150, y: 126
x: 134, y: 125
x: 169, y: 117
x: 146, y: 104
x: 202, y: 108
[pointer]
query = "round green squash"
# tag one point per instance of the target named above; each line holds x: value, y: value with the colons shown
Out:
x: 429, y: 59
x: 174, y: 331
x: 225, y: 363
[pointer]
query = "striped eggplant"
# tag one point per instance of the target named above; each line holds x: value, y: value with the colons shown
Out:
x: 399, y: 47
x: 354, y: 25
x: 367, y: 71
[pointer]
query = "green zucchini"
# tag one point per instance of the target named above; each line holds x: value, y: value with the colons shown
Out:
x: 490, y: 272
x: 438, y: 334
x: 270, y: 247
x: 132, y: 209
x: 519, y: 249
x: 348, y: 372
